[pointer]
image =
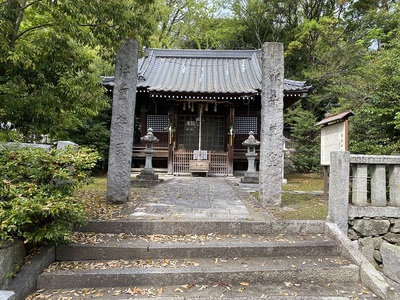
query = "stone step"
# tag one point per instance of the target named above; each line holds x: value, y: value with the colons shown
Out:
x: 166, y: 272
x: 170, y: 227
x: 222, y: 290
x: 90, y: 246
x: 201, y: 260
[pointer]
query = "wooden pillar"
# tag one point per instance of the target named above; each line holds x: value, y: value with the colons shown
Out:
x: 231, y: 141
x: 171, y: 139
x: 143, y: 122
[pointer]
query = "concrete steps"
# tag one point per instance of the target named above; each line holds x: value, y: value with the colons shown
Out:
x: 222, y: 259
x: 200, y: 272
x: 202, y: 227
x: 131, y: 247
x: 286, y: 291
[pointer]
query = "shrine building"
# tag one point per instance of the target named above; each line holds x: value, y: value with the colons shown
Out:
x: 201, y: 105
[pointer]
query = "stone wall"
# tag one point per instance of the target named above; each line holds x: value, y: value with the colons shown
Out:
x: 59, y: 145
x: 12, y: 255
x: 371, y: 216
x: 379, y: 240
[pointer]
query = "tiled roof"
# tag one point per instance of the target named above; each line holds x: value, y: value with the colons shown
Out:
x: 204, y: 71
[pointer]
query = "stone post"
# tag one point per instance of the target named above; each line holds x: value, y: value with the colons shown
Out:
x: 339, y: 189
x: 378, y: 185
x: 122, y: 123
x: 271, y: 150
x: 394, y: 185
x: 360, y: 183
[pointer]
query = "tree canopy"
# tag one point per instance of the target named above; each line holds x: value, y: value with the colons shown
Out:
x: 53, y: 53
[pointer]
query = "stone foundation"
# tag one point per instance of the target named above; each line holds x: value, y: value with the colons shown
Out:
x: 379, y: 240
x: 12, y: 255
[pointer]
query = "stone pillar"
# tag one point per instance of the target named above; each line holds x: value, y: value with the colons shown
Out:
x: 378, y: 185
x: 271, y: 149
x: 122, y: 123
x: 339, y: 189
x: 359, y: 187
x: 394, y: 185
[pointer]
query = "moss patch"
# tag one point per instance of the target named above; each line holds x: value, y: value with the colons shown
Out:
x: 98, y: 183
x: 300, y: 200
x: 301, y: 207
x: 304, y: 182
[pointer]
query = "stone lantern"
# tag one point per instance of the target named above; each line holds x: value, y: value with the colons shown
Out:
x: 251, y: 176
x: 148, y: 174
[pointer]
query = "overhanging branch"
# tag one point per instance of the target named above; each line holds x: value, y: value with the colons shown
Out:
x: 34, y: 28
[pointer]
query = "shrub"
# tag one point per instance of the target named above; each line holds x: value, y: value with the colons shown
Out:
x: 36, y: 193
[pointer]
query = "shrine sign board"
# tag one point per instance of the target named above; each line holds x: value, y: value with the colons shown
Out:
x: 333, y: 138
x: 334, y: 135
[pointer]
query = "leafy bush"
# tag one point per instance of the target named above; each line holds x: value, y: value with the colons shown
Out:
x: 36, y: 192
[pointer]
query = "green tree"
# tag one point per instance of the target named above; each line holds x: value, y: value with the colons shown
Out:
x: 376, y: 127
x: 367, y: 80
x: 95, y: 134
x: 306, y: 140
x: 348, y: 50
x: 49, y: 80
x: 195, y: 24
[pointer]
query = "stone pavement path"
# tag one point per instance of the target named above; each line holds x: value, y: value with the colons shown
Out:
x: 204, y: 198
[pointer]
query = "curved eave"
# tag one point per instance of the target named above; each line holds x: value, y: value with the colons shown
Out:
x: 143, y: 87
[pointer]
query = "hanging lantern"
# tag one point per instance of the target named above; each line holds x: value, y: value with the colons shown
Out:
x: 215, y: 107
x: 184, y: 105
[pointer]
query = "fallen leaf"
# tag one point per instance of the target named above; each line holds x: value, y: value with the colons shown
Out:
x: 187, y: 286
x: 203, y: 287
x: 160, y: 291
x: 288, y: 284
x: 135, y: 291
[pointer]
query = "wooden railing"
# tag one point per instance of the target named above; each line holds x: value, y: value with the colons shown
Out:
x: 363, y: 186
x: 181, y: 162
x: 218, y: 162
x: 158, y: 152
x: 181, y: 159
